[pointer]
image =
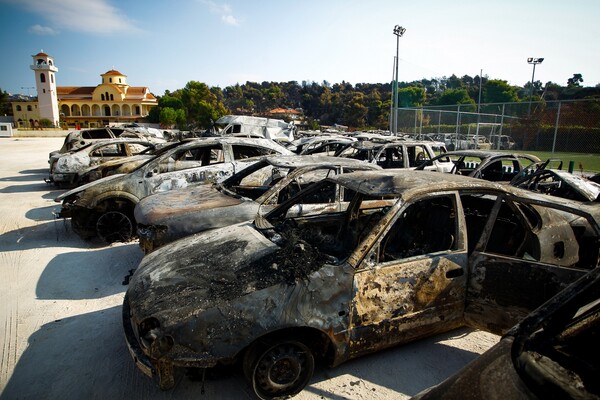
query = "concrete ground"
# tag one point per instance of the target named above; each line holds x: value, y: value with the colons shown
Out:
x: 60, y: 313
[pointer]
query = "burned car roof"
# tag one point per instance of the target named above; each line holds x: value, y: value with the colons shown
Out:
x: 398, y: 181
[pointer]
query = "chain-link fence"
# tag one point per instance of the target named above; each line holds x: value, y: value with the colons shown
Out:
x: 550, y: 126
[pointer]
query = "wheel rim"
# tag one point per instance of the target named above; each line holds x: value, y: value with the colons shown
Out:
x: 114, y: 226
x: 283, y: 370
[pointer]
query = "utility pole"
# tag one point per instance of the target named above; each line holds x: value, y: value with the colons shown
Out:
x: 398, y: 31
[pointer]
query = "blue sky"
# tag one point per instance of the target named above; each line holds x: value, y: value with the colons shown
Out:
x: 165, y: 44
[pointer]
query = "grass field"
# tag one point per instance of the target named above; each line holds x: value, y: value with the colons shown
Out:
x: 586, y: 163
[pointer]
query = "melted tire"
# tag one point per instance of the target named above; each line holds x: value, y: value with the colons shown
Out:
x: 280, y: 369
x: 114, y: 226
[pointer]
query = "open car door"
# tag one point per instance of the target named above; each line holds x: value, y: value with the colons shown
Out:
x: 527, y: 252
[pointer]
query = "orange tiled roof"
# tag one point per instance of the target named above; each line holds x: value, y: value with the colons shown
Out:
x: 75, y: 90
x: 283, y: 111
x: 113, y: 72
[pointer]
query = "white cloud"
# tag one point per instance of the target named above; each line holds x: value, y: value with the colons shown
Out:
x: 224, y: 10
x: 42, y: 30
x: 89, y: 16
x: 229, y: 20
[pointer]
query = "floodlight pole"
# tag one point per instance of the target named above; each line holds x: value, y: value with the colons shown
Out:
x: 398, y: 31
x: 534, y: 61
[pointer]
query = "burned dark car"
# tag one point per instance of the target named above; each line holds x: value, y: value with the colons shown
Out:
x: 551, y: 354
x: 165, y: 217
x: 549, y: 178
x: 492, y: 166
x: 414, y: 254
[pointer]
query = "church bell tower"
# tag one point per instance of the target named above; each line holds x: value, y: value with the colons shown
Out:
x: 45, y: 82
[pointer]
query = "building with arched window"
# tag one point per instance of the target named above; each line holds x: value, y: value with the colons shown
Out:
x: 112, y: 101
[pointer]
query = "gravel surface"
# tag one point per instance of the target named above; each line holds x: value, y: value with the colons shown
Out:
x: 60, y: 313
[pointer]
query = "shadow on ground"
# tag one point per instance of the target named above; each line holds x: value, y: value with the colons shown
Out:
x: 85, y: 356
x: 94, y: 274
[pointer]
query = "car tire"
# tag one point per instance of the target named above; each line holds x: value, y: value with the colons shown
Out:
x: 278, y: 369
x: 114, y: 226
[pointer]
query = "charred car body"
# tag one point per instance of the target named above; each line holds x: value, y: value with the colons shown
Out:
x: 552, y: 354
x: 489, y: 165
x: 541, y: 178
x: 414, y: 254
x: 397, y: 153
x: 164, y: 217
x: 104, y: 207
x: 77, y: 166
x: 78, y: 139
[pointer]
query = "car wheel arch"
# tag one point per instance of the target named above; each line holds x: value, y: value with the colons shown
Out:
x: 321, y: 344
x: 298, y: 351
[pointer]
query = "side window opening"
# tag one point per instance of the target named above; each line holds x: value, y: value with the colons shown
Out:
x: 241, y: 152
x: 427, y: 226
x: 193, y: 158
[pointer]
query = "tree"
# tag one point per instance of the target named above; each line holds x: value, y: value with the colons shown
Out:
x: 411, y: 96
x: 201, y: 105
x: 168, y: 117
x: 5, y: 108
x: 355, y: 111
x: 575, y: 80
x: 455, y: 96
x: 499, y: 91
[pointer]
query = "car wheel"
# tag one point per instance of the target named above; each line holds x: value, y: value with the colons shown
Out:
x: 279, y: 369
x: 114, y: 226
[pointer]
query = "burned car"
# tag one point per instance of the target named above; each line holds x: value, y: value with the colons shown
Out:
x: 489, y: 165
x: 72, y: 168
x: 397, y: 153
x: 414, y: 254
x: 164, y: 217
x: 549, y: 178
x: 81, y: 138
x: 552, y: 354
x: 104, y: 208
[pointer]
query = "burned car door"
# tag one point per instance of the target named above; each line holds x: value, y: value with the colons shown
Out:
x: 526, y: 254
x: 204, y: 162
x: 412, y: 284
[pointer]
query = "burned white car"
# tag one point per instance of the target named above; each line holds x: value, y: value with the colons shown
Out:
x: 73, y: 168
x: 104, y: 208
x: 81, y: 138
x: 414, y: 254
x: 164, y: 217
x: 397, y: 153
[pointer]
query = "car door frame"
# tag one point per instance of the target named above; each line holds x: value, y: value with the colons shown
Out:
x: 525, y: 284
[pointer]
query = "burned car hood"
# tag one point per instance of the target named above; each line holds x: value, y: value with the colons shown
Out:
x: 209, y: 268
x: 183, y: 204
x: 213, y: 270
